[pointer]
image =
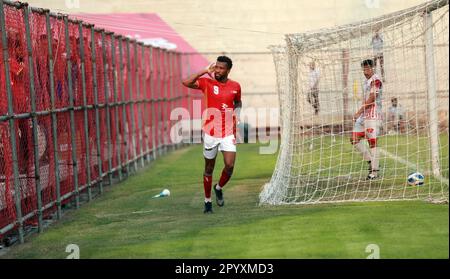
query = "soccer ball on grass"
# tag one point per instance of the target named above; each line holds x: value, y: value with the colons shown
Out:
x: 416, y: 179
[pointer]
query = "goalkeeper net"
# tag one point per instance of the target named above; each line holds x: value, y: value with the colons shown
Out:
x: 320, y: 83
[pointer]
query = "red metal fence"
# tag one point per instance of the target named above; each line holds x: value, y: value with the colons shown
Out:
x: 80, y: 108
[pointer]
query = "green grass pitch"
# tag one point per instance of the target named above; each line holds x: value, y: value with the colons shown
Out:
x: 329, y: 169
x: 126, y: 223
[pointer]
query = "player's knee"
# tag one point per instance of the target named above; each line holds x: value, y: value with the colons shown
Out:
x: 354, y: 140
x: 372, y: 142
x: 209, y: 170
x: 229, y: 168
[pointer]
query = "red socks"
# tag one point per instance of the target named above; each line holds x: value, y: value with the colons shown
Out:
x: 207, y: 182
x: 224, y: 178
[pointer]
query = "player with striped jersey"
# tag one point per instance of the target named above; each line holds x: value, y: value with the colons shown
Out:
x: 367, y: 118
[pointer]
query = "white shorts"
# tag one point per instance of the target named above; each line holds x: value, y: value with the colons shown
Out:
x: 370, y: 127
x: 211, y: 145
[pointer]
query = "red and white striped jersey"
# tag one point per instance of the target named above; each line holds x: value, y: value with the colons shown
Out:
x: 373, y: 84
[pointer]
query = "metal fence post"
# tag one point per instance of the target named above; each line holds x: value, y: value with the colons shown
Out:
x: 116, y: 107
x: 174, y: 90
x: 138, y: 103
x: 37, y: 179
x: 169, y: 97
x: 183, y: 97
x: 177, y: 87
x: 72, y: 113
x: 97, y: 113
x: 85, y: 110
x: 174, y: 94
x: 130, y: 91
x: 53, y: 114
x: 124, y: 105
x: 165, y: 100
x: 106, y: 92
x: 158, y: 101
x: 152, y: 105
x: 12, y: 129
x: 161, y: 101
x: 144, y: 101
x: 179, y: 91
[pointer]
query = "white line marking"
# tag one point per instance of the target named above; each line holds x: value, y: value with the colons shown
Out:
x: 409, y: 164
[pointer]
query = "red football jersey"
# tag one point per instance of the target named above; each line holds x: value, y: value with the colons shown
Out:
x: 220, y: 97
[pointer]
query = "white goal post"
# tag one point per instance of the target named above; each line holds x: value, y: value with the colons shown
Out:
x: 320, y: 83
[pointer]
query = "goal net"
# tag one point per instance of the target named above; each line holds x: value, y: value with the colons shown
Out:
x: 321, y: 86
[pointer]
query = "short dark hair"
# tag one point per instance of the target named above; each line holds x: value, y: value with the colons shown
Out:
x: 367, y: 62
x: 225, y: 59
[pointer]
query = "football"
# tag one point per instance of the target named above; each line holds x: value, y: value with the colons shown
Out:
x: 416, y: 179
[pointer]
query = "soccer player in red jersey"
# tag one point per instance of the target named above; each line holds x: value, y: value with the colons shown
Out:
x: 223, y: 104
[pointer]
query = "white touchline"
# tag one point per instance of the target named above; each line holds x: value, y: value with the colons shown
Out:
x: 409, y: 164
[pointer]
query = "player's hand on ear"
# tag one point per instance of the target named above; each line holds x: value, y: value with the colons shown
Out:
x: 210, y: 69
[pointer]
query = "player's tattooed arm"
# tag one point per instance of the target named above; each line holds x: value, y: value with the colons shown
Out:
x: 191, y: 81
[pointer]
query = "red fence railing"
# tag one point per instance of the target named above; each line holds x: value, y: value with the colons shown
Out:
x: 79, y: 108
